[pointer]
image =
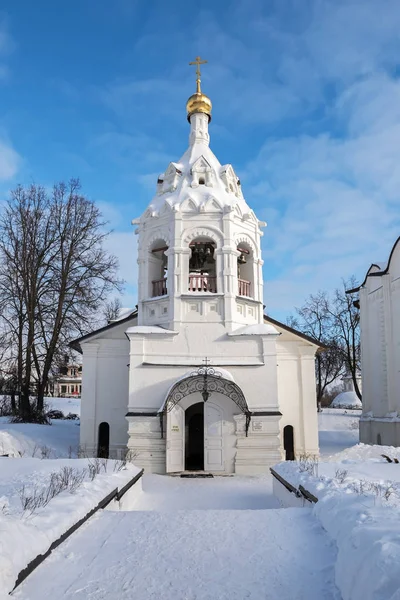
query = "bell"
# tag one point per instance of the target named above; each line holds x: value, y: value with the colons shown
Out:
x: 208, y: 251
x: 242, y: 259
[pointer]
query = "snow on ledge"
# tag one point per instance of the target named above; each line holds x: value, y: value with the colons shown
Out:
x: 149, y: 330
x: 258, y: 329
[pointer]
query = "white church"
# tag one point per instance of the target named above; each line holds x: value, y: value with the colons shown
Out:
x: 198, y: 378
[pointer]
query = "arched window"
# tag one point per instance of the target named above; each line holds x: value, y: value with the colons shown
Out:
x: 202, y: 266
x: 158, y: 269
x: 288, y: 442
x: 245, y: 270
x: 103, y: 444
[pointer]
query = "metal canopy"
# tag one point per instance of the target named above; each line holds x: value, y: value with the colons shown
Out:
x: 206, y: 380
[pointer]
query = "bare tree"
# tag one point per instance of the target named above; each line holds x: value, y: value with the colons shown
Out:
x: 54, y: 277
x: 335, y: 321
x: 112, y: 309
x: 314, y: 318
x: 346, y: 316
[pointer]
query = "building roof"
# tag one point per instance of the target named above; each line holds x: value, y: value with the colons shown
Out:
x: 380, y: 269
x: 304, y: 336
x: 76, y: 344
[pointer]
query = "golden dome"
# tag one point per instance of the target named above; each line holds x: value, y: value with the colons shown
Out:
x: 198, y: 103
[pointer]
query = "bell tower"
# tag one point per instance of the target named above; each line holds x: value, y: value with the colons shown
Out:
x: 199, y: 242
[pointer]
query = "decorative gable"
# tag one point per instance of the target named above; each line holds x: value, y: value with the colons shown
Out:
x: 168, y: 182
x: 231, y: 180
x: 202, y: 173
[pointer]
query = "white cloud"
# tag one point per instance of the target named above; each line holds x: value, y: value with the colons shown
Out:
x: 10, y: 161
x: 335, y: 201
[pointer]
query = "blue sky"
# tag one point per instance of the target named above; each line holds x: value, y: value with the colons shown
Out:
x: 306, y: 106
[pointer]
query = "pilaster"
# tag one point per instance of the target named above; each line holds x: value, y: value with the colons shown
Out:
x: 88, y: 428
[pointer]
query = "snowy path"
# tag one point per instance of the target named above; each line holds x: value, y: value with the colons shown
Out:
x: 161, y: 551
x: 224, y: 493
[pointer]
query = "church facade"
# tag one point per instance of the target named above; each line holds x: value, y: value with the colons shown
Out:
x: 198, y: 378
x: 379, y: 298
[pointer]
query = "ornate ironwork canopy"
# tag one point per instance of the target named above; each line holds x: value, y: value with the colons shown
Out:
x: 206, y: 380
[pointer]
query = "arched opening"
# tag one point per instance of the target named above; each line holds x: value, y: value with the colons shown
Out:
x: 245, y: 270
x: 158, y: 269
x: 103, y: 444
x: 202, y: 181
x: 379, y: 439
x: 288, y: 442
x: 202, y: 266
x: 194, y: 437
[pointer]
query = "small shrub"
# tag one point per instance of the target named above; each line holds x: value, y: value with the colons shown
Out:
x: 72, y: 417
x: 340, y: 475
x: 67, y: 479
x: 308, y: 463
x: 55, y: 414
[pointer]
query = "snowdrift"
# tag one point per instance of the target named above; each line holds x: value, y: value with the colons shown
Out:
x: 346, y: 400
x: 358, y: 505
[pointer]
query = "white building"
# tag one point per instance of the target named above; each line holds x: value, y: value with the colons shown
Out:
x: 198, y: 378
x: 380, y: 352
x: 69, y: 383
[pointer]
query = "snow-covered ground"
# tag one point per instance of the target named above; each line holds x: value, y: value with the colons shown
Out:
x: 338, y: 429
x: 346, y: 400
x: 216, y: 538
x: 191, y: 555
x: 26, y: 533
x: 58, y: 440
x: 168, y: 494
x: 66, y: 405
x: 358, y: 505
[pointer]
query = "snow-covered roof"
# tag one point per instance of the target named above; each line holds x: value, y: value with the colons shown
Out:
x: 122, y: 314
x: 346, y: 400
x: 149, y: 330
x: 258, y: 329
x: 200, y: 196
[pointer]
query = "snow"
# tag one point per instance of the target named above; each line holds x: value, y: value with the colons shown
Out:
x: 191, y: 554
x: 257, y: 329
x: 65, y: 405
x: 25, y: 535
x: 168, y: 494
x: 352, y: 508
x: 346, y: 400
x: 60, y: 439
x: 338, y: 429
x: 149, y: 329
x: 123, y: 313
x: 202, y: 195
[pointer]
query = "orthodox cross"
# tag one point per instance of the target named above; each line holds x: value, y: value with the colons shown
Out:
x: 198, y: 62
x: 206, y: 361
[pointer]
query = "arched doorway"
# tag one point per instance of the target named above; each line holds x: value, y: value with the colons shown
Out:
x: 203, y: 383
x: 103, y: 444
x: 194, y: 437
x: 288, y: 442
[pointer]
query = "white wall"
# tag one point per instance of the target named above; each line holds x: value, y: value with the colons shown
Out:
x: 105, y: 390
x: 380, y: 349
